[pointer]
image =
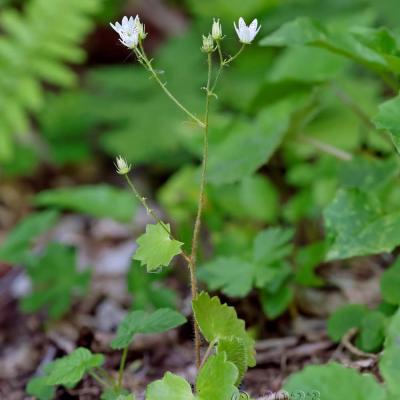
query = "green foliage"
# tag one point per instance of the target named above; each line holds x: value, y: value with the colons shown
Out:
x: 156, y: 248
x: 323, y: 380
x: 70, y: 369
x: 389, y: 363
x: 142, y: 322
x: 170, y: 387
x: 372, y: 332
x: 17, y: 246
x: 37, y: 387
x: 148, y: 290
x: 357, y: 225
x: 99, y: 201
x: 36, y: 47
x: 219, y: 321
x: 345, y: 318
x: 55, y: 281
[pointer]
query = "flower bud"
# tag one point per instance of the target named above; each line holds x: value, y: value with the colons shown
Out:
x: 216, y: 30
x: 140, y: 28
x: 208, y: 44
x: 122, y: 166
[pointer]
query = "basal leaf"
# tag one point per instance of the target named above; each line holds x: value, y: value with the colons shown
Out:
x: 143, y: 322
x: 18, y: 242
x: 70, y: 369
x: 217, y: 321
x: 37, y: 387
x: 171, y: 387
x: 333, y: 382
x: 216, y: 379
x: 100, y: 201
x: 307, y: 260
x: 372, y: 331
x: 156, y: 248
x: 276, y: 303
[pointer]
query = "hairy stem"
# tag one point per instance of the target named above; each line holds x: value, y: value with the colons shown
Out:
x: 147, y: 63
x: 151, y: 212
x: 197, y: 224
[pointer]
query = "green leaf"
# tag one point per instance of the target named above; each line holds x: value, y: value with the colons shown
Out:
x: 235, y: 350
x: 389, y: 363
x: 232, y: 275
x: 333, y: 382
x: 117, y: 394
x: 142, y: 322
x: 217, y: 321
x: 70, y: 369
x: 372, y: 331
x: 216, y: 379
x: 272, y: 245
x: 16, y: 247
x: 388, y: 118
x: 171, y: 387
x: 55, y: 281
x: 276, y: 303
x: 357, y: 226
x: 390, y: 284
x: 37, y: 387
x: 345, y: 318
x: 100, y: 201
x: 156, y: 248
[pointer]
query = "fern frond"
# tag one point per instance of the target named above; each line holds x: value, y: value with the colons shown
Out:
x: 36, y: 48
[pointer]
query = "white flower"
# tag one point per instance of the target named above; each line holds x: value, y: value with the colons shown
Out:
x: 140, y: 28
x: 208, y: 44
x: 246, y: 33
x: 216, y: 31
x: 127, y: 31
x: 122, y: 166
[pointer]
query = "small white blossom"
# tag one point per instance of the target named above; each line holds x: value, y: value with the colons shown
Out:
x: 246, y: 33
x: 216, y: 31
x: 140, y: 28
x: 122, y: 166
x: 127, y: 31
x: 208, y: 44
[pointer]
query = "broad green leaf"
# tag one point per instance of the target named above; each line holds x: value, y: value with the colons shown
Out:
x: 100, y: 201
x: 308, y: 259
x: 18, y: 243
x: 388, y: 118
x: 389, y: 363
x: 142, y: 322
x: 217, y: 321
x: 55, y: 281
x: 117, y: 394
x: 216, y: 379
x: 71, y: 369
x: 372, y: 331
x: 335, y: 382
x: 232, y: 275
x: 390, y: 284
x: 171, y: 387
x: 156, y: 248
x: 276, y: 303
x: 357, y: 226
x: 272, y: 245
x: 235, y: 350
x: 345, y: 318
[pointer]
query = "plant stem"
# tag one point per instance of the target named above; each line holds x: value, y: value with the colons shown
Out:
x: 98, y: 379
x: 197, y: 224
x: 122, y: 367
x: 163, y: 86
x: 151, y: 212
x: 207, y: 353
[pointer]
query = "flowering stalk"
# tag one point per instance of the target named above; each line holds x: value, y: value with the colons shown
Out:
x: 132, y: 34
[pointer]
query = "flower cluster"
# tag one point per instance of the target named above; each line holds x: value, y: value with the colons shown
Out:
x: 131, y: 31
